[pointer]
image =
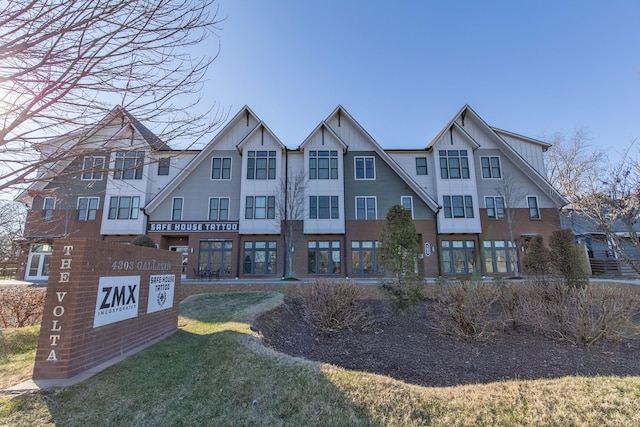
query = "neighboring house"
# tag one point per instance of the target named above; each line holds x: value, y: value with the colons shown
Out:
x: 220, y: 206
x: 603, y: 258
x: 99, y: 193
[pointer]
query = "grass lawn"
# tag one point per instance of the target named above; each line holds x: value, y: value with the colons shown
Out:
x: 215, y: 372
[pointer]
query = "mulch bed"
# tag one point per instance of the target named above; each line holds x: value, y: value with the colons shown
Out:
x: 407, y: 347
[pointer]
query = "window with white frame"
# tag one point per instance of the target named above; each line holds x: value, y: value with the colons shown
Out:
x: 261, y: 165
x: 176, y: 210
x: 457, y: 206
x: 218, y: 208
x: 92, y: 168
x: 87, y: 208
x: 128, y: 165
x: 365, y: 207
x: 421, y: 165
x: 534, y: 210
x: 163, y: 166
x: 495, y: 207
x: 124, y: 207
x: 454, y: 164
x: 323, y: 164
x: 221, y: 168
x: 365, y: 167
x: 407, y: 203
x: 48, y: 207
x: 490, y: 167
x: 323, y: 207
x: 260, y: 207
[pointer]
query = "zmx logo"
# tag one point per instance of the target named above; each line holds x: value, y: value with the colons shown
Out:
x: 118, y: 296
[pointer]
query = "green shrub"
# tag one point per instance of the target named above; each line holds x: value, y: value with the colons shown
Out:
x: 404, y: 293
x: 567, y: 258
x: 537, y: 259
x: 144, y: 240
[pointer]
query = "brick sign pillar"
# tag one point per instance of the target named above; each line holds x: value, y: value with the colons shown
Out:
x: 104, y: 300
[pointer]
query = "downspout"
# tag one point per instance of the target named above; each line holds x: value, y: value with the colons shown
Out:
x: 146, y: 219
x: 480, y: 256
x: 437, y: 248
x: 286, y: 213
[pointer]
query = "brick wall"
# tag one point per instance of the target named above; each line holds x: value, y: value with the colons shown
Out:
x: 91, y: 282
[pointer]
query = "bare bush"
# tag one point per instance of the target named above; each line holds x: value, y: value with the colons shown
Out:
x: 329, y: 305
x: 463, y: 309
x: 21, y: 306
x: 581, y: 315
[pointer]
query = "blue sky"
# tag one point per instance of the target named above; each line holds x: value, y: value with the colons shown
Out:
x: 404, y: 68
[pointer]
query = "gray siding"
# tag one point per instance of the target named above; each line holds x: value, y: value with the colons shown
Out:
x: 388, y: 188
x: 524, y: 186
x: 198, y: 187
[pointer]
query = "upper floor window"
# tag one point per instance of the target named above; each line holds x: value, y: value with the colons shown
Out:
x: 124, y: 207
x: 534, y: 210
x: 323, y: 164
x: 421, y: 165
x: 323, y: 207
x: 365, y: 167
x: 495, y: 207
x: 261, y: 165
x: 128, y: 165
x: 365, y: 208
x: 218, y: 209
x: 48, y: 207
x: 407, y: 203
x: 260, y: 207
x: 92, y: 167
x: 490, y: 167
x: 454, y: 164
x: 176, y: 211
x: 87, y: 208
x: 458, y: 206
x: 163, y: 166
x: 221, y: 168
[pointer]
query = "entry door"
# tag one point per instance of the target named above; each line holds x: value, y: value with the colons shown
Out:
x: 39, y: 263
x: 184, y: 250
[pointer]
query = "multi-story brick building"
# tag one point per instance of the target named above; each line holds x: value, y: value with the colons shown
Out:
x: 476, y: 194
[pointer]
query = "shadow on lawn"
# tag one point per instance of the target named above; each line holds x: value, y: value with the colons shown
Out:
x: 213, y: 371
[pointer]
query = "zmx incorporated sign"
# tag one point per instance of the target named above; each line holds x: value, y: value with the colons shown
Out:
x: 117, y: 299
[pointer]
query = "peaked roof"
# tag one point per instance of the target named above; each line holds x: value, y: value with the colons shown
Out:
x: 205, y: 154
x: 151, y: 138
x: 323, y: 125
x: 508, y: 151
x: 420, y: 192
x: 260, y: 125
x: 71, y: 140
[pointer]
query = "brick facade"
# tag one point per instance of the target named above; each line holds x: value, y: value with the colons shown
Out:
x: 69, y: 344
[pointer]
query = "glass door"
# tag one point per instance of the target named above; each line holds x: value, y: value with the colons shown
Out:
x: 39, y: 262
x: 184, y: 250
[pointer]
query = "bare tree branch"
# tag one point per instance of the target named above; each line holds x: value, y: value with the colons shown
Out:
x: 64, y: 65
x: 571, y: 164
